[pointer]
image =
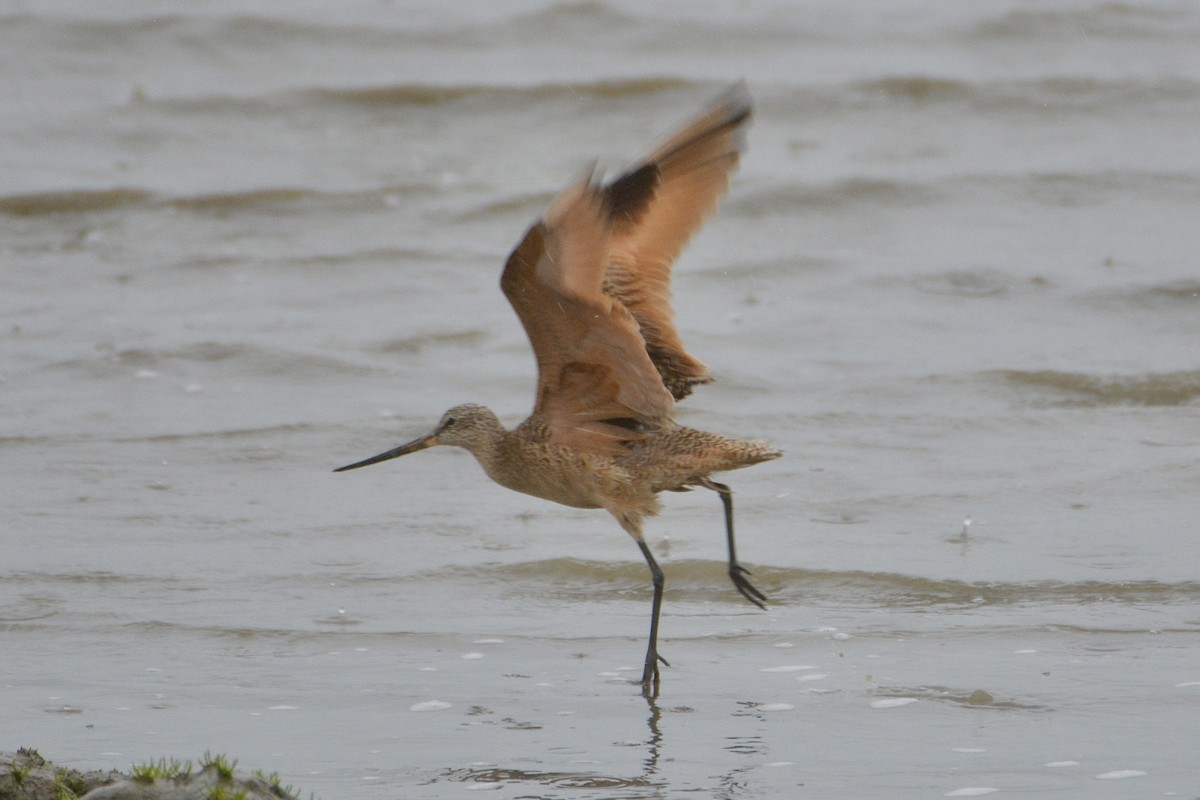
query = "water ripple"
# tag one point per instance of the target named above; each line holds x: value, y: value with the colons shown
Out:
x: 1082, y: 390
x: 578, y: 580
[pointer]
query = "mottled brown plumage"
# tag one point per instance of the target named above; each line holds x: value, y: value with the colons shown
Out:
x: 590, y: 283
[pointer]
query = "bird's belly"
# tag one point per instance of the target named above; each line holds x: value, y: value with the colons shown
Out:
x: 576, y: 486
x: 576, y: 494
x: 574, y: 502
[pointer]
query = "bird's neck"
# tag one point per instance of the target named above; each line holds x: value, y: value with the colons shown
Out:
x: 489, y: 450
x: 502, y: 456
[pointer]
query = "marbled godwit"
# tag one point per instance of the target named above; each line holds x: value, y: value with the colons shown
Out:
x: 591, y: 284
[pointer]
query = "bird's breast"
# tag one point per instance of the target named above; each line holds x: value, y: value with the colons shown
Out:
x: 558, y: 475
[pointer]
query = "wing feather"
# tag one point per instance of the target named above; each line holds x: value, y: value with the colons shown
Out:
x: 590, y: 283
x: 597, y: 388
x: 657, y: 207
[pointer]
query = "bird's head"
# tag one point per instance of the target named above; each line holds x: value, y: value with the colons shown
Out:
x: 470, y: 426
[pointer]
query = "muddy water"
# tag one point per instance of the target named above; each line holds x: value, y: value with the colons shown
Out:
x: 955, y: 280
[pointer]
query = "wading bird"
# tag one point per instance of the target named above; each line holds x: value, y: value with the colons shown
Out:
x: 590, y: 283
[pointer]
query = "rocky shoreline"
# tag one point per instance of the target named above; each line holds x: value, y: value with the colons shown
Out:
x: 26, y: 775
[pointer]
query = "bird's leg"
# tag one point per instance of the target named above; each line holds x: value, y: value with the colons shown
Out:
x: 650, y: 671
x: 737, y: 573
x: 632, y: 523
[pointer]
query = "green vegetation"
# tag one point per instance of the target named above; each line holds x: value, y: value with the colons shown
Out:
x: 19, y: 772
x: 161, y: 770
x: 27, y: 760
x: 222, y: 765
x: 68, y: 783
x: 276, y: 785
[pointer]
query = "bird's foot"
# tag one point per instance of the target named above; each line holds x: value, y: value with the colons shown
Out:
x: 737, y: 574
x: 650, y: 677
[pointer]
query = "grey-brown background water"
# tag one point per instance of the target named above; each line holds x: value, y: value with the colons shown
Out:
x: 955, y: 280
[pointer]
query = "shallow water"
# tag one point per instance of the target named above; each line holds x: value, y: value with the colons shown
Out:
x: 955, y: 280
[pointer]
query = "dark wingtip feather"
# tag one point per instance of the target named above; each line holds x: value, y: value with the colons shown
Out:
x: 628, y: 194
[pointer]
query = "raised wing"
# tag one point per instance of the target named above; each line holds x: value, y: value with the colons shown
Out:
x: 597, y: 387
x: 655, y: 209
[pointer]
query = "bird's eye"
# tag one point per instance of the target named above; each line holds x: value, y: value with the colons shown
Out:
x: 450, y: 422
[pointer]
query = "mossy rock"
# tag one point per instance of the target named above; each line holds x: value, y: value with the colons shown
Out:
x: 25, y: 775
